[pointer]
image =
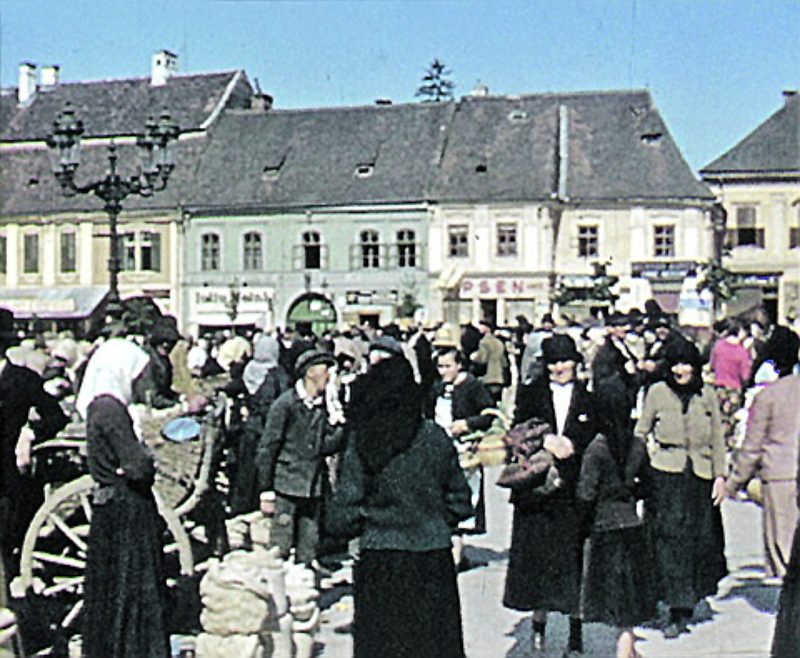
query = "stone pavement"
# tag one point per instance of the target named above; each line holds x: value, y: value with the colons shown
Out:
x: 737, y: 623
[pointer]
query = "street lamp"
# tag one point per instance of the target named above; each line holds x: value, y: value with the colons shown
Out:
x: 157, y: 163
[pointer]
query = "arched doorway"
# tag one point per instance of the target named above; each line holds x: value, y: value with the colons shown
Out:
x: 314, y: 310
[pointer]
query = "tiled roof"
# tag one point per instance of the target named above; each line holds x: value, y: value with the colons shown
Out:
x: 121, y: 107
x: 774, y: 146
x: 28, y: 186
x: 310, y: 157
x: 506, y: 148
x: 8, y: 106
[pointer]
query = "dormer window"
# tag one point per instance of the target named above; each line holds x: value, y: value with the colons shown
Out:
x: 480, y: 168
x: 517, y: 116
x: 364, y: 170
x: 651, y: 138
x: 272, y: 168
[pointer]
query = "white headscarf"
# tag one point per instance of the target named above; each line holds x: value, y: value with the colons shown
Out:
x: 265, y: 358
x: 111, y: 371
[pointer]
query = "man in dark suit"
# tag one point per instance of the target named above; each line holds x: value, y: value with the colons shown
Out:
x: 298, y: 435
x: 21, y: 392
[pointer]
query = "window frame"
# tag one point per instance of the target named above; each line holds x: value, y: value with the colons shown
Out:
x: 507, y: 248
x: 369, y: 249
x: 210, y: 252
x: 65, y: 237
x: 407, y: 252
x: 585, y: 242
x: 27, y: 255
x: 664, y: 240
x: 458, y: 240
x: 3, y: 254
x: 252, y: 254
x: 311, y: 243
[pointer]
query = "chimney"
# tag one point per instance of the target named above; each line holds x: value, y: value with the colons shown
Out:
x: 563, y: 152
x: 261, y: 102
x: 27, y: 82
x: 164, y: 66
x: 480, y: 89
x: 789, y: 94
x: 50, y: 75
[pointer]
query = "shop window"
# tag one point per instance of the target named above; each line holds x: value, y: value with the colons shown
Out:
x: 30, y: 247
x: 252, y: 257
x: 209, y: 252
x: 406, y: 248
x: 588, y: 241
x: 369, y: 242
x: 68, y: 252
x: 506, y: 240
x: 458, y: 241
x: 664, y: 241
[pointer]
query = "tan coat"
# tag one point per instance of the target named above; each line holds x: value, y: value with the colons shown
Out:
x: 491, y: 352
x: 677, y: 437
x: 773, y: 434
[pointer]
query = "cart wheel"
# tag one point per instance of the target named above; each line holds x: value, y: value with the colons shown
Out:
x: 53, y: 560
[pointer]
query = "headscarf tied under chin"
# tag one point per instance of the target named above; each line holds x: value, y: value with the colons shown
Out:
x: 111, y: 371
x: 385, y: 411
x: 265, y: 358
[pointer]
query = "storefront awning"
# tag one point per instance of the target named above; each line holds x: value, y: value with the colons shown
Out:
x: 63, y: 303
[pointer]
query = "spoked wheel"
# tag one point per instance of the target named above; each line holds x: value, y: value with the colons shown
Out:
x: 53, y: 560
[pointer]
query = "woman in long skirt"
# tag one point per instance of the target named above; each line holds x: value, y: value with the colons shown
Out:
x: 124, y: 592
x: 402, y: 493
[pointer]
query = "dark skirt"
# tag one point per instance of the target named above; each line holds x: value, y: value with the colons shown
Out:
x: 545, y: 559
x: 476, y: 525
x: 620, y: 585
x: 125, y: 590
x: 406, y: 605
x: 244, y: 487
x: 688, y: 538
x: 786, y: 641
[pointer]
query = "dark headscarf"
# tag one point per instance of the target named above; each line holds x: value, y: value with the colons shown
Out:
x: 684, y: 351
x: 385, y: 410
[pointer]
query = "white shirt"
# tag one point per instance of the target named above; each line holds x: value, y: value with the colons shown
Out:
x: 562, y: 396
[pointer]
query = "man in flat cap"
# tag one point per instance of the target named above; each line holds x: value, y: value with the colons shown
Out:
x: 21, y: 393
x: 299, y: 434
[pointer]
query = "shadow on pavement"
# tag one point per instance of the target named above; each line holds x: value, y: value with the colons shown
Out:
x: 760, y: 596
x: 487, y: 555
x: 599, y: 640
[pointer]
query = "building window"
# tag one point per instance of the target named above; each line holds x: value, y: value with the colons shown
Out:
x: 3, y: 255
x: 406, y: 248
x: 370, y: 249
x: 252, y: 257
x: 150, y: 251
x: 30, y: 261
x: 127, y: 252
x: 458, y: 241
x: 312, y: 250
x: 746, y: 233
x: 664, y: 241
x: 588, y: 242
x: 209, y: 252
x: 794, y: 237
x: 68, y: 252
x: 506, y: 239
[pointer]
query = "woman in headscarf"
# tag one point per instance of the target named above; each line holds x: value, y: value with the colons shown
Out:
x: 620, y: 583
x: 124, y: 603
x: 263, y: 380
x: 401, y: 492
x: 682, y: 419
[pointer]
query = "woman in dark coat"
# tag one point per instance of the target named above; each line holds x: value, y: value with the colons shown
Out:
x: 545, y: 560
x: 455, y: 403
x: 124, y: 603
x: 401, y: 492
x: 262, y: 382
x: 620, y: 582
x: 681, y: 416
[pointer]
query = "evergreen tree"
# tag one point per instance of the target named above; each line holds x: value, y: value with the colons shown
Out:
x: 435, y: 86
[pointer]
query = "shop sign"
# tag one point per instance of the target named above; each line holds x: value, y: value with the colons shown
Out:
x: 216, y: 298
x: 766, y: 280
x: 506, y: 287
x: 673, y: 270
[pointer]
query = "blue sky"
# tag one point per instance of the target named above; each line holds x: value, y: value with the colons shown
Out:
x: 716, y: 68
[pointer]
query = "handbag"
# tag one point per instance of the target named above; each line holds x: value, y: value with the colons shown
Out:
x: 529, y: 467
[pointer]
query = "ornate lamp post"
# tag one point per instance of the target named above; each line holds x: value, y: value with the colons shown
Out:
x: 157, y: 163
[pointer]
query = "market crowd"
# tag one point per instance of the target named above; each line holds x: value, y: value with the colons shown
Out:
x: 633, y: 432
